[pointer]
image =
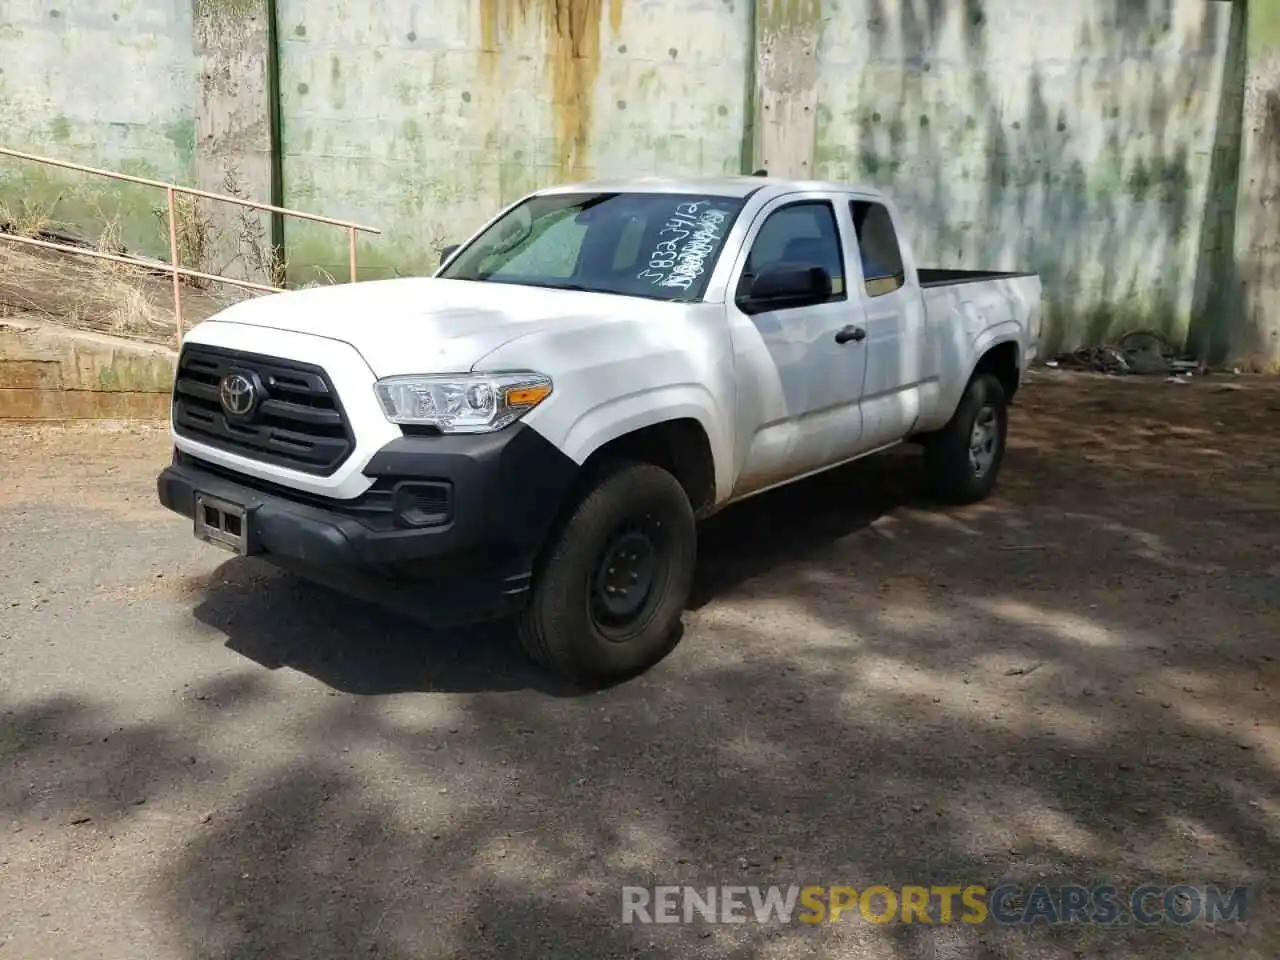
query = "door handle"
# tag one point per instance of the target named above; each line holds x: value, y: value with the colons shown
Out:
x: 845, y: 334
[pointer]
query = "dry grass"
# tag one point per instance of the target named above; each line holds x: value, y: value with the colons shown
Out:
x: 89, y: 293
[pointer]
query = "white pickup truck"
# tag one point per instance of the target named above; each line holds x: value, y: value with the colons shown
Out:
x: 535, y: 430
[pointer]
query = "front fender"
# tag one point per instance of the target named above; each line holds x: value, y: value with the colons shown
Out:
x: 614, y: 377
x: 592, y: 428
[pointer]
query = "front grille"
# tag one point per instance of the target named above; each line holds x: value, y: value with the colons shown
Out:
x: 296, y: 422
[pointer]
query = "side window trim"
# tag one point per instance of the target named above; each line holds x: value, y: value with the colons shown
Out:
x: 830, y: 204
x: 875, y: 285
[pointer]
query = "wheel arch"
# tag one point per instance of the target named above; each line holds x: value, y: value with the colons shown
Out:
x: 998, y: 353
x: 1000, y: 360
x: 678, y: 428
x: 680, y: 445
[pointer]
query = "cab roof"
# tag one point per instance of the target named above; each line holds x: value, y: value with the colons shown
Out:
x: 740, y: 187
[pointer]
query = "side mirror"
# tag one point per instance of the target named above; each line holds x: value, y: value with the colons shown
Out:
x: 784, y: 286
x: 449, y: 251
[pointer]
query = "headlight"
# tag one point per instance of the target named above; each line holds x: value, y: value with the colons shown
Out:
x: 462, y: 402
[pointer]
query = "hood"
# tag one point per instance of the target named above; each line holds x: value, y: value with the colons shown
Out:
x: 422, y: 324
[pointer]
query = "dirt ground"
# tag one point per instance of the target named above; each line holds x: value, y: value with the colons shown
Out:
x: 1072, y: 683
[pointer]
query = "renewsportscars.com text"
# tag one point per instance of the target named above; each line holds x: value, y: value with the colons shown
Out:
x: 1007, y: 904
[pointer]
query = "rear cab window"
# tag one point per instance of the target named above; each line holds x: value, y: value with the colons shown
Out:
x: 661, y: 246
x: 882, y: 268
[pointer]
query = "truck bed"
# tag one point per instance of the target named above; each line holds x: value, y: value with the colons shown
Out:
x: 946, y: 278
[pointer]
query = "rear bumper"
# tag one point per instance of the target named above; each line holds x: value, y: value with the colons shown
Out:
x: 471, y: 559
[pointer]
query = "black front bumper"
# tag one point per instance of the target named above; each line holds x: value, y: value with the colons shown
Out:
x: 470, y: 557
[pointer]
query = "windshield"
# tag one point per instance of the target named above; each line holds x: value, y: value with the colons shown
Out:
x: 658, y: 245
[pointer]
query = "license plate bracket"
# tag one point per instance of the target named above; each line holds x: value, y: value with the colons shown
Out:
x: 222, y: 523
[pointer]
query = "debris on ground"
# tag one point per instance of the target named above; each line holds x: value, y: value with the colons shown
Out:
x: 1136, y: 352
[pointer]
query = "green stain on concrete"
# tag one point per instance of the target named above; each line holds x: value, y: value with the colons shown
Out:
x: 182, y: 134
x: 515, y: 179
x: 1067, y: 320
x: 1103, y: 322
x: 832, y: 160
x: 1108, y: 174
x: 870, y: 164
x: 832, y: 157
x: 233, y: 10
x: 60, y: 129
x: 773, y: 16
x: 1263, y: 27
x: 317, y: 258
x: 1160, y: 179
x: 411, y: 130
x: 137, y: 372
x: 85, y: 205
x: 139, y: 167
x: 647, y: 81
x: 337, y: 88
x: 1139, y: 181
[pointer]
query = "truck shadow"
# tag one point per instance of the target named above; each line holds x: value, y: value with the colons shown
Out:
x: 801, y: 520
x: 278, y: 620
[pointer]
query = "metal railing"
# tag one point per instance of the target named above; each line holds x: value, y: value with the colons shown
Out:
x: 174, y: 267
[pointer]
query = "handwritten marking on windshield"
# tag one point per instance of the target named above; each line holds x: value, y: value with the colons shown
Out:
x: 679, y: 261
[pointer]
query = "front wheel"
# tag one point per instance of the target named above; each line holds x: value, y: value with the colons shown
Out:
x: 963, y: 459
x: 608, y: 596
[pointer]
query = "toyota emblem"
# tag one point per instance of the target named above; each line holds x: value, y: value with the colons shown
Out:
x: 237, y: 394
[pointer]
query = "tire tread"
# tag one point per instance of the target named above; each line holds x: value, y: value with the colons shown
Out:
x: 946, y: 454
x: 541, y: 627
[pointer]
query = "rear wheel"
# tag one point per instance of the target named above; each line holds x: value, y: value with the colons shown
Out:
x: 610, y: 592
x: 963, y: 459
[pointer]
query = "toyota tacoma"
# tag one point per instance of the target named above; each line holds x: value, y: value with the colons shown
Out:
x: 534, y: 430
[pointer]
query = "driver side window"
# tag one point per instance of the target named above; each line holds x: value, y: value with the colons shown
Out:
x: 800, y: 234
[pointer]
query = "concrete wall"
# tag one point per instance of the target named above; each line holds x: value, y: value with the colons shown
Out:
x: 234, y: 143
x: 50, y: 373
x: 102, y: 82
x: 1073, y: 139
x: 1098, y: 142
x: 1252, y: 312
x: 422, y: 118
